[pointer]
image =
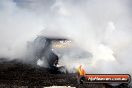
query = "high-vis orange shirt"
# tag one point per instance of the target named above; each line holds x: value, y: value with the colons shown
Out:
x: 81, y: 71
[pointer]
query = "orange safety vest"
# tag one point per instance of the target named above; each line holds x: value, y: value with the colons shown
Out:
x: 81, y: 71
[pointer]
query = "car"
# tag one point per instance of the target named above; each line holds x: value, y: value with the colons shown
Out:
x: 43, y: 53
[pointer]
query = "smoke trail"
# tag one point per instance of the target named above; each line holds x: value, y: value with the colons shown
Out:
x: 103, y: 28
x: 17, y: 26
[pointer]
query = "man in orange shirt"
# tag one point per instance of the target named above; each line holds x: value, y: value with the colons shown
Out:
x: 81, y: 71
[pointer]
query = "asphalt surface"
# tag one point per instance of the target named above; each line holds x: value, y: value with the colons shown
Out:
x: 15, y: 74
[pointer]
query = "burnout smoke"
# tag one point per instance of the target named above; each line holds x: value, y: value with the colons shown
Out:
x: 102, y: 28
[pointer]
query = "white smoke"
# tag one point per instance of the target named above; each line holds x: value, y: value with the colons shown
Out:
x: 16, y: 28
x: 101, y: 27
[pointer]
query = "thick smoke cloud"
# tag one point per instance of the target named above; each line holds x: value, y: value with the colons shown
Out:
x: 103, y: 28
x: 16, y: 27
